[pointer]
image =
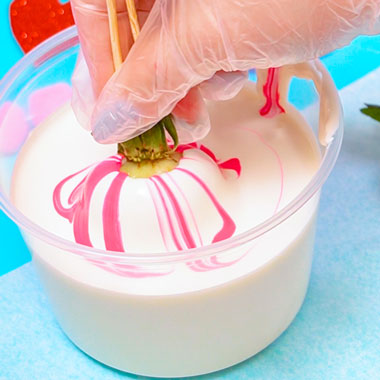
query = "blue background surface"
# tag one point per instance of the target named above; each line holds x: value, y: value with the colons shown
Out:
x: 336, y: 335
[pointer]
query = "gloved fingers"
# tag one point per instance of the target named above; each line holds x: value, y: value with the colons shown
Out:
x: 191, y: 117
x: 155, y: 76
x: 184, y: 43
x: 190, y: 106
x: 91, y: 19
x: 224, y: 85
x: 273, y: 33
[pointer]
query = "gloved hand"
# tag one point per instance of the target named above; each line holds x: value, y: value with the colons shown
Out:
x: 95, y: 67
x: 187, y: 47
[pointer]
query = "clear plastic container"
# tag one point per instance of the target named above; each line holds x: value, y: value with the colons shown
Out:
x: 116, y: 307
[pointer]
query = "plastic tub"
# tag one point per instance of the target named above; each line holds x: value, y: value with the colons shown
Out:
x: 192, y: 331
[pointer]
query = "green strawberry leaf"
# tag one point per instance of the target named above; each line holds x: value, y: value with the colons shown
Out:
x: 372, y: 110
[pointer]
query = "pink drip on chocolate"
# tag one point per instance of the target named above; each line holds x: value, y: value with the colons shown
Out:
x: 157, y: 203
x: 176, y: 218
x: 111, y: 224
x: 170, y: 211
x: 67, y: 213
x: 168, y: 217
x: 118, y: 267
x: 78, y: 212
x: 187, y: 203
x: 80, y: 198
x: 272, y: 106
x: 79, y: 209
x: 231, y: 164
x: 178, y: 212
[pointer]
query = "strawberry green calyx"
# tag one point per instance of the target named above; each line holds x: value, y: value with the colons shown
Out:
x: 149, y: 153
x: 152, y: 144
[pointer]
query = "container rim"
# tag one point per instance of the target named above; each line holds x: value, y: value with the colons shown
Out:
x: 68, y: 39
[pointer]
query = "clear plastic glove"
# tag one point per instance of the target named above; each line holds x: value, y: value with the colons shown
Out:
x: 185, y: 43
x: 95, y: 67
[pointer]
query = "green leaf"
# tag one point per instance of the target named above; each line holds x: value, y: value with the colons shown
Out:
x: 372, y: 110
x: 170, y: 127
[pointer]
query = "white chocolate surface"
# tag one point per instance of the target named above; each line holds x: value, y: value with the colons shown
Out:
x: 271, y: 150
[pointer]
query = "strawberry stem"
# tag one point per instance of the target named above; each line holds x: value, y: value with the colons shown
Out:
x: 152, y: 144
x: 149, y: 153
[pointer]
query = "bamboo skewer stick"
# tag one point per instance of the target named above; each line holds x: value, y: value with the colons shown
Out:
x: 114, y: 28
x: 114, y: 34
x: 133, y: 19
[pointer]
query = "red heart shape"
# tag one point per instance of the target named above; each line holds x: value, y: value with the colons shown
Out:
x: 33, y: 21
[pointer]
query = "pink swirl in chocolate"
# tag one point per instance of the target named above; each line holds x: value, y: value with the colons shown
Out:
x: 163, y: 197
x: 272, y: 106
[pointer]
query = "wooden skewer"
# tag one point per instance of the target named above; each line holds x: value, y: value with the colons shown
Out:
x: 133, y: 19
x: 114, y: 34
x: 114, y: 28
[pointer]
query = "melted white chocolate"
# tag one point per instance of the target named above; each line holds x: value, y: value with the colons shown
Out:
x: 330, y: 108
x: 278, y: 157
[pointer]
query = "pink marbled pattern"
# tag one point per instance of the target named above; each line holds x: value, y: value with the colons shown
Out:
x: 170, y: 210
x: 272, y: 106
